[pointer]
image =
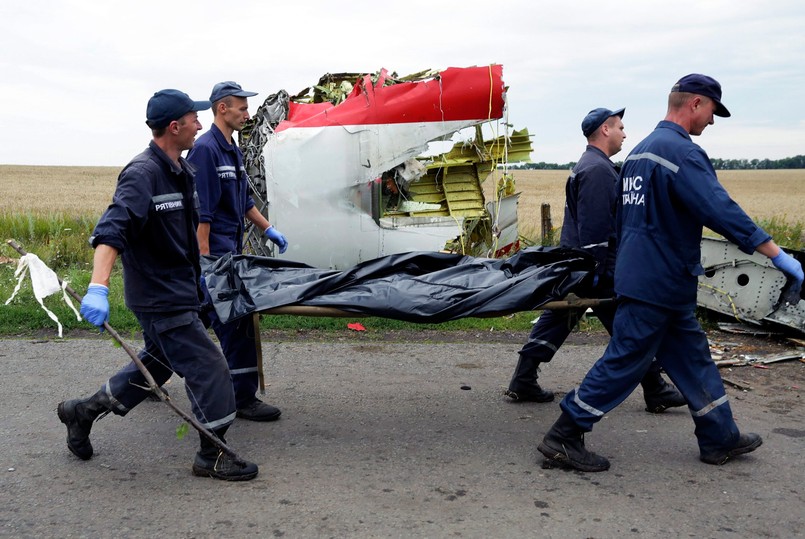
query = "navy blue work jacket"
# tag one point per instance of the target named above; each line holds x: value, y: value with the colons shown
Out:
x: 591, y: 195
x: 223, y: 190
x: 152, y: 223
x: 669, y: 192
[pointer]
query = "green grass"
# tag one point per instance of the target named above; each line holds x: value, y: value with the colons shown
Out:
x: 23, y: 316
x: 515, y: 322
x: 784, y: 233
x: 61, y: 242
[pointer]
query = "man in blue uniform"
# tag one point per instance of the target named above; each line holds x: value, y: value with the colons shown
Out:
x: 151, y: 225
x: 590, y: 199
x: 223, y: 193
x: 669, y: 192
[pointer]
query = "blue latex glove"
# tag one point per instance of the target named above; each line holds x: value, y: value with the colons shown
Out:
x: 95, y: 305
x: 789, y: 265
x: 276, y: 237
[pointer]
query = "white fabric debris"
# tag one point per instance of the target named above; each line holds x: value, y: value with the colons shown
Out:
x: 44, y: 282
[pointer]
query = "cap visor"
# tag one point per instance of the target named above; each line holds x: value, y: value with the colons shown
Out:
x: 204, y: 105
x: 721, y: 110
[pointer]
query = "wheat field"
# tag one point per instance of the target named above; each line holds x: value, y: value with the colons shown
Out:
x: 46, y: 190
x: 88, y: 190
x: 763, y: 194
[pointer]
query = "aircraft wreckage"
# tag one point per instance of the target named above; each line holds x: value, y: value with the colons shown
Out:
x: 348, y: 165
x: 748, y: 287
x: 345, y: 165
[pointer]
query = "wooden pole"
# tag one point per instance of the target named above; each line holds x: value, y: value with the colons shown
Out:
x: 547, y: 224
x: 152, y: 385
x: 570, y: 302
x: 258, y: 345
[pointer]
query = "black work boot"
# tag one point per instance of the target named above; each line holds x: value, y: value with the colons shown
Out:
x: 212, y: 462
x: 563, y: 447
x: 523, y: 386
x: 78, y: 415
x: 659, y: 394
x: 746, y: 444
x: 258, y: 410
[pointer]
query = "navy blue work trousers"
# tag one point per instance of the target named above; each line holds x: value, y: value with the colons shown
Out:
x: 237, y: 340
x: 641, y: 332
x: 554, y: 326
x: 551, y: 331
x: 177, y: 342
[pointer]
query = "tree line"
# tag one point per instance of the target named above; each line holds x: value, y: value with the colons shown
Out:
x: 797, y: 161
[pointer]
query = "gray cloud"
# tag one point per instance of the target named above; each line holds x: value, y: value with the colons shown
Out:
x: 81, y: 72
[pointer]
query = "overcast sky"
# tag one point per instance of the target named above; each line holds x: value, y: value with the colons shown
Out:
x: 76, y: 75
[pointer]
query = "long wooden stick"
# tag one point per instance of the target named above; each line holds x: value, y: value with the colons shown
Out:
x: 152, y: 385
x: 570, y: 302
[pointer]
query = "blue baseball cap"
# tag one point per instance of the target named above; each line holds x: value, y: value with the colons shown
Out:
x: 168, y: 105
x: 596, y: 117
x: 702, y: 85
x: 227, y: 88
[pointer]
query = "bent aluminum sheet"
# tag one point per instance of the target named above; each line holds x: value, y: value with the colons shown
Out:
x: 415, y: 287
x: 748, y: 287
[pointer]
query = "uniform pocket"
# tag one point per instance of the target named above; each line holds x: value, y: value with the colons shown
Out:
x: 172, y: 322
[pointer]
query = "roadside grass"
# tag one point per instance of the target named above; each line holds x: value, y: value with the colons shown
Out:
x: 62, y: 243
x: 24, y: 317
x: 62, y: 204
x: 785, y: 233
x: 60, y: 240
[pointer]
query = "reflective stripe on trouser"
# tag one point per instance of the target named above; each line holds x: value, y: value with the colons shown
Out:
x: 178, y: 340
x: 240, y: 350
x: 548, y: 335
x: 642, y: 331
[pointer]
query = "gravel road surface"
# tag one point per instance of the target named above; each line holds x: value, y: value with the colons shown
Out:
x: 390, y: 439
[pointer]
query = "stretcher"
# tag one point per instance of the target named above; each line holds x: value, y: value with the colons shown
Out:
x: 419, y: 287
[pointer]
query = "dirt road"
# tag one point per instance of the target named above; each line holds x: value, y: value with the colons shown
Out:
x: 390, y: 439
